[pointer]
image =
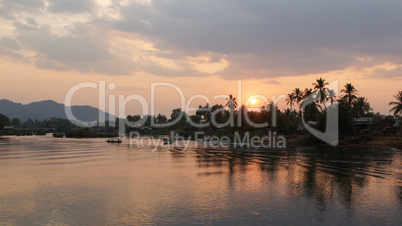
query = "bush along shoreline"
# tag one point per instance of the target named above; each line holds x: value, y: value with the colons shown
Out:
x: 86, y: 133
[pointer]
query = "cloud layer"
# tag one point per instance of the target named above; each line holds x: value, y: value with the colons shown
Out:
x: 233, y: 39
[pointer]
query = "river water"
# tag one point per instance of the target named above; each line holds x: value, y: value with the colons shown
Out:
x: 46, y: 180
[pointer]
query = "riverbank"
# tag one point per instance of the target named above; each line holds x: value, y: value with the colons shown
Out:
x: 352, y: 141
x: 376, y: 142
x: 295, y: 140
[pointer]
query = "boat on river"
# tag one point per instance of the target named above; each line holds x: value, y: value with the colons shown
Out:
x: 118, y: 141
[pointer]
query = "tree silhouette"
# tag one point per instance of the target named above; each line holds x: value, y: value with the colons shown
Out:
x: 232, y: 102
x: 331, y: 96
x: 4, y: 121
x: 319, y: 86
x: 204, y: 112
x: 361, y: 106
x: 16, y: 122
x: 298, y: 96
x: 289, y: 100
x: 307, y: 92
x: 175, y: 113
x: 161, y: 118
x: 397, y: 109
x: 350, y: 93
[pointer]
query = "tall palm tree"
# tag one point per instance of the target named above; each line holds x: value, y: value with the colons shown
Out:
x: 298, y: 96
x: 350, y: 96
x: 398, y: 104
x: 331, y: 95
x: 290, y: 99
x: 350, y: 93
x: 307, y: 92
x: 319, y: 86
x: 311, y: 110
x: 361, y: 106
x: 232, y: 102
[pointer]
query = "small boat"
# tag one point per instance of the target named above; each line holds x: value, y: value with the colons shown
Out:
x: 114, y: 141
x: 167, y: 141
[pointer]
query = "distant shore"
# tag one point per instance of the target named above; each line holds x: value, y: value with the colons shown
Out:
x: 298, y: 140
x: 378, y: 142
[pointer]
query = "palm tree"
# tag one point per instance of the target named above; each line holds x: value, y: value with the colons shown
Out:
x: 307, y: 92
x: 290, y: 99
x: 398, y: 108
x: 232, y: 102
x: 311, y: 110
x: 350, y: 93
x: 361, y: 106
x: 319, y: 86
x: 297, y: 96
x: 331, y: 96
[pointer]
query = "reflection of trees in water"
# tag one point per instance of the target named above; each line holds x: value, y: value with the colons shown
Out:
x: 324, y: 174
x: 399, y: 193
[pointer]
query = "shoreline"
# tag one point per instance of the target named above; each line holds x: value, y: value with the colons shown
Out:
x: 372, y: 142
x: 295, y: 140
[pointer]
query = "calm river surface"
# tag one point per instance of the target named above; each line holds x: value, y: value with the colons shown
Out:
x: 46, y: 180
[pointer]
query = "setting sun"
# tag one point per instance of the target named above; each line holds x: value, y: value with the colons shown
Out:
x: 253, y: 101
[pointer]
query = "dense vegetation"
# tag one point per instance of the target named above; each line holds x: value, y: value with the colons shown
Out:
x: 351, y: 106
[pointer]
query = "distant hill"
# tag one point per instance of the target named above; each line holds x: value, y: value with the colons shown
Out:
x: 47, y: 109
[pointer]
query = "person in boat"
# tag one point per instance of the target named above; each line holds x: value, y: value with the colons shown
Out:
x: 167, y: 141
x: 113, y: 141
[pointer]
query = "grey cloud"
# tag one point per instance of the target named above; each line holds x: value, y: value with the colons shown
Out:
x: 9, y: 7
x: 83, y: 52
x: 395, y: 73
x: 13, y: 54
x: 79, y: 51
x: 10, y: 47
x: 259, y: 38
x: 279, y: 37
x: 70, y: 48
x: 44, y: 63
x: 26, y: 4
x: 272, y: 82
x: 10, y: 43
x: 23, y: 27
x: 6, y: 13
x: 31, y: 21
x: 70, y: 6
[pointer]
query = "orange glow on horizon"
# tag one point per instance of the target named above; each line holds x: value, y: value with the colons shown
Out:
x: 25, y: 83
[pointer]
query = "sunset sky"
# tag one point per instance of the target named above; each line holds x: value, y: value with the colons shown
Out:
x: 202, y: 46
